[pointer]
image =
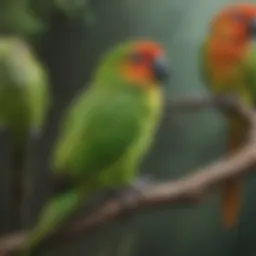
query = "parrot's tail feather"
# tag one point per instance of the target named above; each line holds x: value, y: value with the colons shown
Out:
x: 59, y: 209
x: 231, y: 190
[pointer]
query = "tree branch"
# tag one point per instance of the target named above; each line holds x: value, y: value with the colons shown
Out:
x: 190, y: 188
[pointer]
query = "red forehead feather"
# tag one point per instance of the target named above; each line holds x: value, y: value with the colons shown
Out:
x: 248, y: 10
x: 149, y: 49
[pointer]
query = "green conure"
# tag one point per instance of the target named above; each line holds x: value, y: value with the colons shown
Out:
x: 24, y: 103
x: 107, y: 130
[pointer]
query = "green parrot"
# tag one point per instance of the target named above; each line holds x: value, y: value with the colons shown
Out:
x: 107, y: 130
x: 24, y: 101
x: 227, y: 62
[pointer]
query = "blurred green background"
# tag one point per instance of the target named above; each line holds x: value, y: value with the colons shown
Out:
x: 74, y: 35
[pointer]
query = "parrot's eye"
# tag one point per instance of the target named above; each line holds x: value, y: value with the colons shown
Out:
x: 136, y: 58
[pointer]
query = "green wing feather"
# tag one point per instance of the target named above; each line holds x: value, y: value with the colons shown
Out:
x: 98, y: 131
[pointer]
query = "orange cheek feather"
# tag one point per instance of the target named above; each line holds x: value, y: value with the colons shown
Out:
x: 137, y: 73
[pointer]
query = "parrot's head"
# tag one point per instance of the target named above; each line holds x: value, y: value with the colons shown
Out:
x: 141, y: 62
x: 232, y: 30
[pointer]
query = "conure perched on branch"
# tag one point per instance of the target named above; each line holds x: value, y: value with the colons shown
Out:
x: 107, y: 130
x: 228, y: 65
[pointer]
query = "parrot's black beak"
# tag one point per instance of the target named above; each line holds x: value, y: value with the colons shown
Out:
x: 252, y: 28
x: 160, y: 69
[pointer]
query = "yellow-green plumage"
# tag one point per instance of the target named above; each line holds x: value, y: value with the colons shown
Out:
x: 103, y: 137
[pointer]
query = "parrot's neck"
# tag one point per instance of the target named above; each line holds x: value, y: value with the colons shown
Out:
x: 118, y: 82
x: 151, y: 93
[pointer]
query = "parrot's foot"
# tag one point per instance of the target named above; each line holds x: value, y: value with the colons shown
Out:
x: 142, y: 182
x: 135, y: 189
x: 129, y: 192
x: 137, y: 185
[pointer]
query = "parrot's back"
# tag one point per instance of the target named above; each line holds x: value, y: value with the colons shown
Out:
x: 107, y: 130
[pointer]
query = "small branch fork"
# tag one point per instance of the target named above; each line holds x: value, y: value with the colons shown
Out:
x: 191, y: 188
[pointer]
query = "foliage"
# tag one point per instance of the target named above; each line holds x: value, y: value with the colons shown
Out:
x: 29, y: 17
x: 17, y: 18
